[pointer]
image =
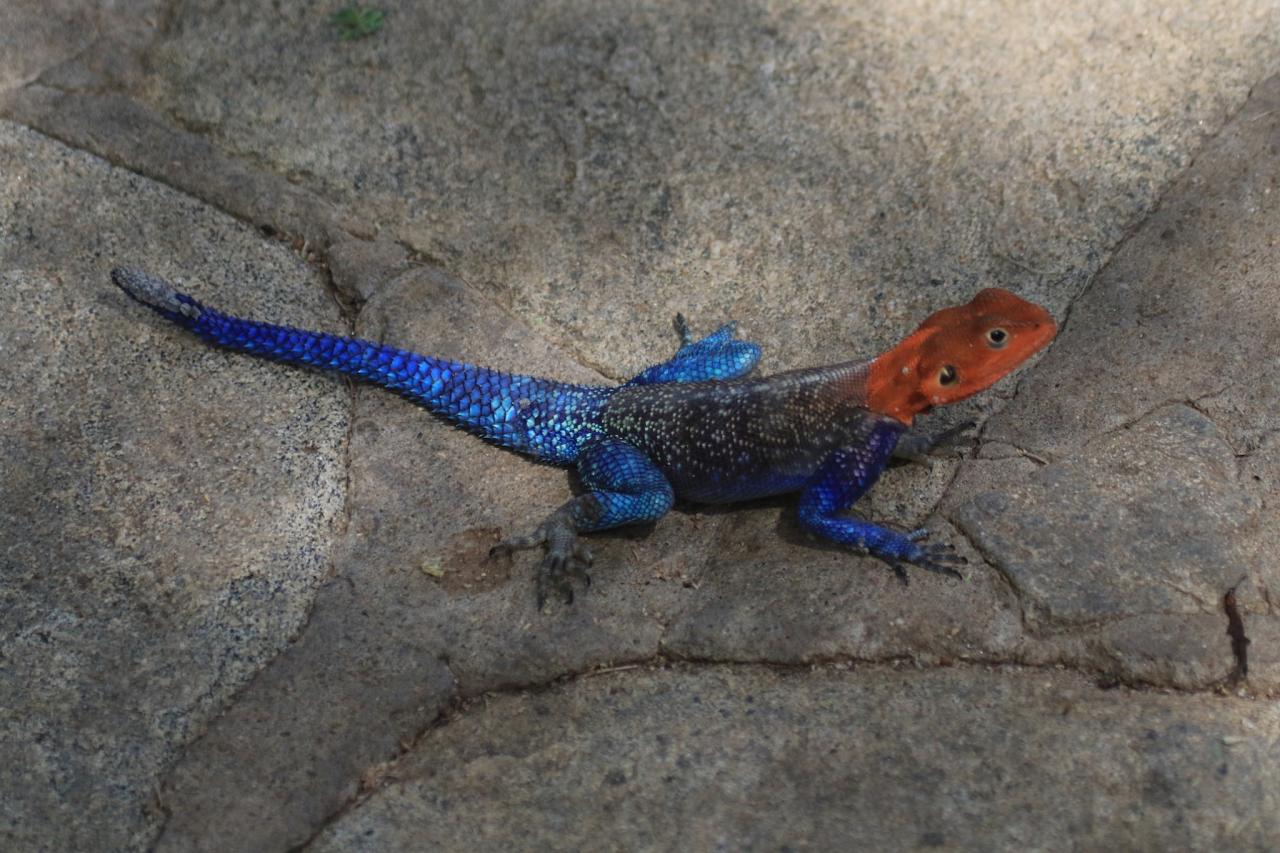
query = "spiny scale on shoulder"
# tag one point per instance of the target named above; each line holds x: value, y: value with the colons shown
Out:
x: 695, y: 427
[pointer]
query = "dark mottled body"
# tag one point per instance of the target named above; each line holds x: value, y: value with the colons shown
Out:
x: 747, y: 438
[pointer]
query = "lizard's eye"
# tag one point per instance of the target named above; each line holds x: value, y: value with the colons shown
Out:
x: 997, y: 338
x: 947, y: 375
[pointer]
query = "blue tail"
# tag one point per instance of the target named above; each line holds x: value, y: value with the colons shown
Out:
x: 546, y: 419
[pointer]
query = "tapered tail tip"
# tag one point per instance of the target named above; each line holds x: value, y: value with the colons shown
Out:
x: 155, y: 292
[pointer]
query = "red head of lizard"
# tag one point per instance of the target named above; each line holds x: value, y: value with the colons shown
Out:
x: 956, y: 353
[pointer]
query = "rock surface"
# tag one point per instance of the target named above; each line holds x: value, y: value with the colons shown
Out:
x: 248, y: 607
x: 1159, y: 491
x: 748, y: 758
x: 167, y: 511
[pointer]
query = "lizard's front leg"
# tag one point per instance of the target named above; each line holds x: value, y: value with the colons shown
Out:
x: 916, y: 446
x: 843, y: 478
x: 623, y: 487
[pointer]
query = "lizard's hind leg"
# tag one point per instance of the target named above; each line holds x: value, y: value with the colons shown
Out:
x: 717, y: 356
x: 623, y: 487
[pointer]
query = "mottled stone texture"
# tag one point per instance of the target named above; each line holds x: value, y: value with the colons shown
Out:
x: 167, y: 511
x: 748, y: 758
x: 825, y: 172
x: 1157, y: 411
x: 236, y: 598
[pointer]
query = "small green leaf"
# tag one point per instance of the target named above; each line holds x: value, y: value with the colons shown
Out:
x: 354, y: 22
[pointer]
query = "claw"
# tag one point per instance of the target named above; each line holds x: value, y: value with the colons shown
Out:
x: 924, y: 449
x: 551, y: 579
x: 578, y: 571
x: 557, y: 574
x: 938, y: 558
x: 956, y: 434
x: 958, y: 437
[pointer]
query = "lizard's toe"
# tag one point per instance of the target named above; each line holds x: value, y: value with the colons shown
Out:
x: 577, y: 570
x: 560, y: 571
x: 938, y: 557
x: 941, y: 559
x: 960, y: 438
x: 550, y: 581
x: 520, y: 543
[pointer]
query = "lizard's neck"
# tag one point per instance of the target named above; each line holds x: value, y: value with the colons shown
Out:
x: 893, y: 386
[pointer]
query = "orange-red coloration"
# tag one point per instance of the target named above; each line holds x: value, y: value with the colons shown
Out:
x: 956, y: 353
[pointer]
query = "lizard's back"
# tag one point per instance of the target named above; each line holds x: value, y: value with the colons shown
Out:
x: 745, y: 438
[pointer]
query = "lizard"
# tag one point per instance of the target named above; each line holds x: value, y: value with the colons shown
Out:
x: 698, y: 427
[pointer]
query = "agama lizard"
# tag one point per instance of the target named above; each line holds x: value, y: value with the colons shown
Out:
x: 695, y: 427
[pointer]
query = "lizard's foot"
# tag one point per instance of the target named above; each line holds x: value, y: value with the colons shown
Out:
x: 923, y: 448
x: 566, y: 561
x: 720, y: 355
x: 960, y: 437
x: 939, y: 557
